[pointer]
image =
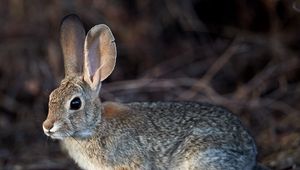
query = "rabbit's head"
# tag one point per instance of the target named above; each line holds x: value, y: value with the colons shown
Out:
x: 74, y: 107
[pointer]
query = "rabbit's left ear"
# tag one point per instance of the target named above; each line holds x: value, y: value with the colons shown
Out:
x: 99, y: 55
x: 72, y: 36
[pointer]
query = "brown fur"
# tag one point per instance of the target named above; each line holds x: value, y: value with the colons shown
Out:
x: 113, y: 110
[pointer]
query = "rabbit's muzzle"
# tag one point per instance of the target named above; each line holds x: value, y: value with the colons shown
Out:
x: 49, y: 125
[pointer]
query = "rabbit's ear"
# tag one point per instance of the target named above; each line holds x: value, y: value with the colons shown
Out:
x: 99, y: 55
x: 72, y: 35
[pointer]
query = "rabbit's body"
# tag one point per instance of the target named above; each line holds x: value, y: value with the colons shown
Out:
x: 170, y: 135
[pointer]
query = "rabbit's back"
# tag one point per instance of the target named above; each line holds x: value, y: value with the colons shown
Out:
x: 209, y: 123
x: 190, y: 132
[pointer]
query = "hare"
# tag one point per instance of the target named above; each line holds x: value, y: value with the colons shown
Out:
x: 139, y: 135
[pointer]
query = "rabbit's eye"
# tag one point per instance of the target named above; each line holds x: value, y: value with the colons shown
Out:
x: 75, y: 103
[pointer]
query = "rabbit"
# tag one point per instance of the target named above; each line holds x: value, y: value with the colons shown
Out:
x: 138, y: 135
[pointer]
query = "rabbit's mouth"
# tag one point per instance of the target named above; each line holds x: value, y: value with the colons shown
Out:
x: 56, y: 132
x: 62, y: 135
x: 57, y: 135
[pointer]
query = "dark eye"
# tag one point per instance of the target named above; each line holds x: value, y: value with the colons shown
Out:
x: 75, y: 103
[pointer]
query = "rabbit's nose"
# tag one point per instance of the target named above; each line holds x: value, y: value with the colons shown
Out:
x: 47, y: 125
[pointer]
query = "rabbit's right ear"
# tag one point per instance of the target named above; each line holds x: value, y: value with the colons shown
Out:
x: 72, y: 35
x: 99, y: 56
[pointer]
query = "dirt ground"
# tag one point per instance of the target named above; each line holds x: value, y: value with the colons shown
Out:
x: 243, y: 55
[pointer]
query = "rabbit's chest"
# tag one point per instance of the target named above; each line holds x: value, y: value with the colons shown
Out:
x: 86, y: 159
x: 90, y: 156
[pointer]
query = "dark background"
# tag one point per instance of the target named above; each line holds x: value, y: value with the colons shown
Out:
x: 241, y: 54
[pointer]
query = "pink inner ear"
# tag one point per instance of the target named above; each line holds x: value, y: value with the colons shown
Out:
x: 94, y: 58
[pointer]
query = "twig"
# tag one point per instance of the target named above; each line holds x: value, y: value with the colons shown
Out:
x: 212, y: 71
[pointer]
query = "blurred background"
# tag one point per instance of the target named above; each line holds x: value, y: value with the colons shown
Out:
x: 243, y: 55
